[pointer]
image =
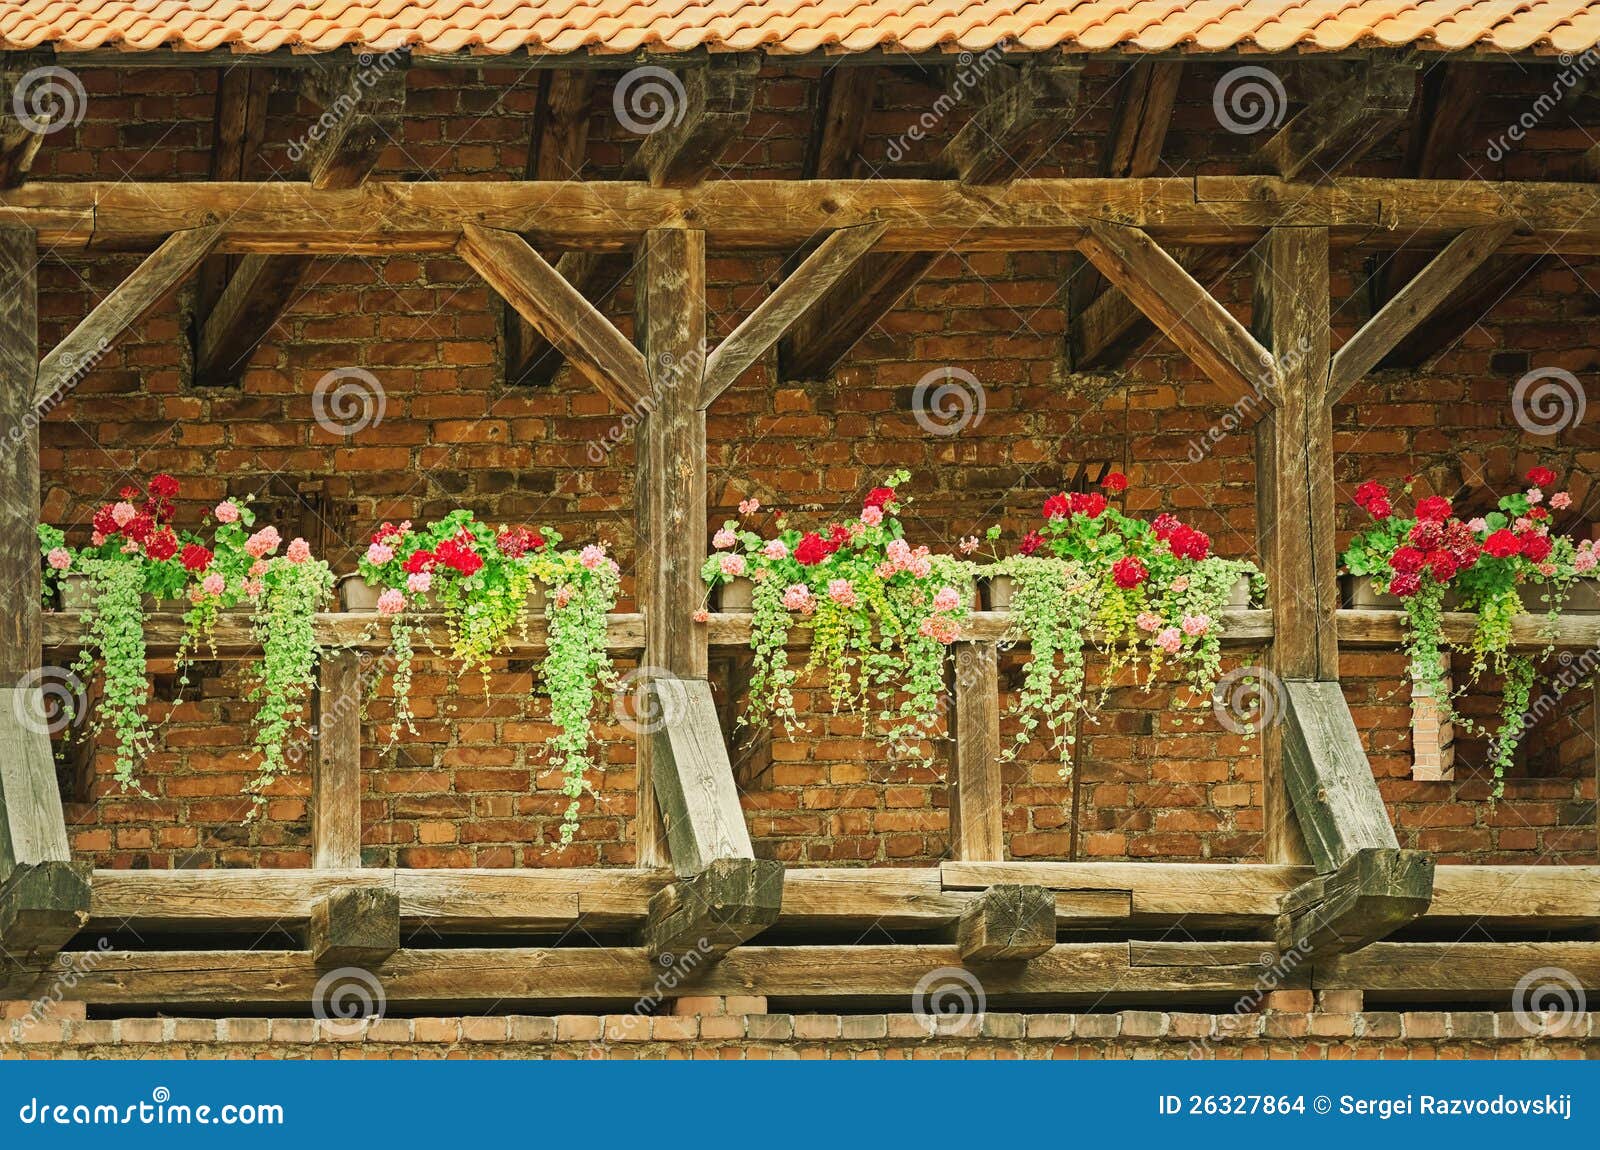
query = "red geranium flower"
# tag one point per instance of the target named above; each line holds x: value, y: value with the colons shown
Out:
x: 880, y: 497
x: 1405, y: 584
x: 459, y: 555
x: 1165, y: 524
x: 162, y: 544
x: 1188, y: 543
x: 811, y: 550
x: 1114, y: 482
x: 1538, y: 513
x: 1093, y: 504
x: 1427, y: 534
x: 1031, y: 542
x: 1502, y: 544
x: 515, y: 542
x: 1541, y: 476
x: 129, y: 493
x: 1057, y: 507
x: 1369, y: 492
x: 1535, y: 547
x: 1129, y: 572
x: 163, y: 486
x: 195, y: 558
x: 837, y: 537
x: 419, y: 561
x: 139, y: 527
x: 1442, y: 566
x: 1407, y: 560
x: 104, y: 523
x: 1380, y: 508
x: 1435, y: 507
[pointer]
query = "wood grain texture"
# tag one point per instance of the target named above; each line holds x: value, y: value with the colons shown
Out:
x: 32, y: 826
x: 1007, y: 923
x: 20, y: 624
x: 355, y: 926
x: 844, y: 97
x: 695, y: 129
x: 1374, y: 892
x: 42, y: 905
x: 336, y: 766
x: 1330, y: 783
x: 547, y: 301
x: 977, y: 807
x: 729, y: 902
x: 1343, y: 121
x: 693, y: 778
x: 152, y: 281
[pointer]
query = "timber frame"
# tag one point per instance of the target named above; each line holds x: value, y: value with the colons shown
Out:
x: 1336, y: 889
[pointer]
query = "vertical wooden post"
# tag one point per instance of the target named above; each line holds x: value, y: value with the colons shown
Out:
x: 336, y: 766
x: 670, y: 480
x: 1294, y: 472
x: 19, y: 455
x: 977, y: 829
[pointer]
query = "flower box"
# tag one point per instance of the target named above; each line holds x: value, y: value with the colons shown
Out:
x: 737, y: 596
x: 77, y: 594
x: 357, y: 594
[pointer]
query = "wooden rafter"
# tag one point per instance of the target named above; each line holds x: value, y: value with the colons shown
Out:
x: 152, y: 281
x: 365, y: 106
x: 558, y: 310
x: 20, y: 139
x: 355, y: 926
x: 1345, y: 120
x: 1026, y: 108
x: 239, y: 125
x: 844, y: 98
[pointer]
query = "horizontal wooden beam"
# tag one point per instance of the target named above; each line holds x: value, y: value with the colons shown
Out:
x: 1453, y: 971
x: 386, y: 217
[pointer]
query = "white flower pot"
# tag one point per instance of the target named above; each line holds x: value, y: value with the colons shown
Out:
x: 737, y: 596
x: 994, y: 592
x: 356, y: 594
x: 1239, y: 596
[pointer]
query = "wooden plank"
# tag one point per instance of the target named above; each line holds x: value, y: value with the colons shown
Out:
x: 238, y: 128
x: 255, y: 297
x: 20, y: 625
x: 32, y: 826
x: 1027, y: 109
x: 867, y: 898
x: 361, y: 631
x: 1452, y: 971
x: 977, y: 807
x: 42, y: 905
x: 730, y: 901
x: 151, y: 282
x: 596, y: 276
x: 1188, y: 314
x: 718, y: 95
x: 558, y: 310
x: 773, y: 317
x: 1412, y: 305
x: 844, y: 97
x: 1209, y: 893
x: 366, y: 103
x: 1007, y: 923
x: 387, y: 217
x: 1343, y: 121
x: 1108, y: 326
x: 336, y: 767
x: 355, y: 926
x: 732, y: 629
x: 693, y: 778
x: 1329, y: 779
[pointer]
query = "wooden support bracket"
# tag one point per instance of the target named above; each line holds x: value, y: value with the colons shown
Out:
x: 1008, y: 923
x: 1377, y: 891
x: 42, y: 905
x: 356, y: 926
x: 710, y: 913
x: 693, y: 777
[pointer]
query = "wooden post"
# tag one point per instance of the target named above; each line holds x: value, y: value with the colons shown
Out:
x: 336, y: 765
x: 19, y: 455
x: 670, y: 479
x: 1294, y: 475
x: 977, y: 830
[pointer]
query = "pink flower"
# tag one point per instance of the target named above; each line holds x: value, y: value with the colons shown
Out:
x: 1196, y: 625
x: 1547, y: 569
x: 921, y: 567
x: 732, y: 564
x: 969, y: 545
x: 840, y: 591
x: 130, y: 548
x: 122, y: 514
x: 98, y: 539
x: 419, y: 582
x: 749, y: 506
x: 799, y: 598
x: 775, y: 549
x: 1535, y: 495
x: 724, y: 539
x: 948, y: 599
x: 872, y: 516
x: 263, y: 542
x: 254, y: 587
x: 594, y: 556
x: 1478, y: 524
x: 1148, y: 621
x: 379, y: 553
x: 564, y: 594
x: 940, y: 628
x: 1170, y: 640
x: 213, y: 584
x: 701, y: 615
x: 1584, y: 561
x: 226, y: 512
x: 391, y: 602
x: 299, y: 551
x: 1181, y: 583
x: 258, y: 568
x: 1561, y: 501
x: 59, y: 559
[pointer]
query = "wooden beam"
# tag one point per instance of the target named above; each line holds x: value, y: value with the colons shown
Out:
x: 1375, y: 892
x: 844, y: 98
x: 1343, y: 121
x: 977, y: 803
x: 252, y: 302
x: 1499, y: 277
x: 1205, y: 330
x: 1147, y: 93
x: 557, y: 151
x: 42, y: 905
x: 775, y: 315
x: 152, y: 281
x: 1007, y: 924
x: 693, y: 778
x: 336, y: 766
x: 239, y: 126
x: 20, y: 138
x: 714, y: 110
x: 20, y: 624
x: 355, y: 926
x: 1107, y: 328
x: 710, y: 913
x: 1453, y: 971
x: 556, y: 308
x: 1412, y: 305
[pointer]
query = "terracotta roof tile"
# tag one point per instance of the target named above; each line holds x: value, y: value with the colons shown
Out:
x: 498, y: 27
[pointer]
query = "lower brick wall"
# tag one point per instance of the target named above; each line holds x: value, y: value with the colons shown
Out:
x: 1140, y: 1034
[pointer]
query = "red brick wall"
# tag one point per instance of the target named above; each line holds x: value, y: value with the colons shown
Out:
x: 472, y: 789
